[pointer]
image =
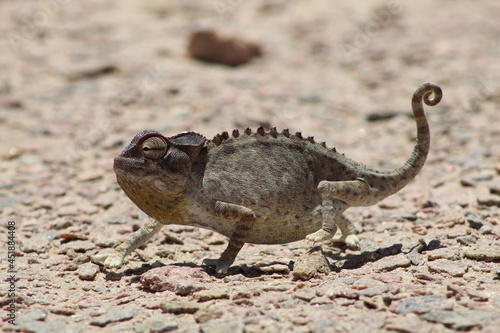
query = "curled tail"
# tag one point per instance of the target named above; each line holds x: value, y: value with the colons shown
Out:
x: 393, y: 181
x: 423, y: 94
x: 417, y: 159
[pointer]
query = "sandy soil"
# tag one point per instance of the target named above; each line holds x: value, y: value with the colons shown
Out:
x: 80, y: 79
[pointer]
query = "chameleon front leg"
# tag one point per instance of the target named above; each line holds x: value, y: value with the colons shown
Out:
x: 336, y: 197
x: 245, y: 218
x: 138, y: 238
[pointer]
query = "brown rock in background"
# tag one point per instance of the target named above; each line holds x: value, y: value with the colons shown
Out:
x: 208, y: 45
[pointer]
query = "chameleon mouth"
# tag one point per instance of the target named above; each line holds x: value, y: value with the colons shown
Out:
x: 122, y: 165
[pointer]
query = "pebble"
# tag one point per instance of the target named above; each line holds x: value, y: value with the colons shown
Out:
x: 81, y: 258
x: 106, y: 200
x: 68, y: 211
x: 275, y: 268
x: 495, y: 188
x: 89, y: 175
x: 474, y: 221
x: 233, y: 326
x: 33, y: 314
x: 305, y: 294
x: 208, y: 45
x: 449, y: 267
x: 120, y: 219
x: 10, y: 102
x: 483, y: 253
x: 466, y: 240
x: 455, y: 291
x: 207, y: 295
x: 320, y: 301
x: 61, y: 223
x: 390, y: 263
x: 38, y: 243
x: 443, y: 253
x: 321, y: 325
x: 187, y: 288
x: 168, y: 277
x: 178, y: 307
x: 404, y: 216
x: 373, y: 291
x: 102, y: 241
x: 467, y: 182
x: 88, y: 271
x: 461, y: 319
x: 458, y: 231
x: 65, y: 311
x: 364, y: 283
x: 368, y: 245
x: 127, y: 299
x: 344, y: 302
x: 242, y: 295
x: 477, y: 295
x: 206, y: 314
x: 425, y: 277
x: 339, y: 292
x: 311, y: 98
x: 489, y: 201
x: 486, y: 176
x: 113, y: 315
x: 310, y: 264
x: 90, y: 70
x: 6, y: 202
x: 408, y: 323
x: 415, y: 256
x: 388, y: 278
x: 78, y: 246
x: 159, y: 324
x: 419, y: 305
x: 48, y: 327
x: 486, y: 229
x: 55, y: 260
x: 370, y: 321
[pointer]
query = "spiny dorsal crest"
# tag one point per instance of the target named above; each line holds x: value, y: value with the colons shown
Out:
x: 273, y: 132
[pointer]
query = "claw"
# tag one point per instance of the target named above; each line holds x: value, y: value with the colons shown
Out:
x: 319, y: 236
x: 114, y: 260
x: 351, y: 241
x: 221, y: 267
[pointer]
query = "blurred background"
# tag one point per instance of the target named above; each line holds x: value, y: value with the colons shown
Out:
x: 79, y: 79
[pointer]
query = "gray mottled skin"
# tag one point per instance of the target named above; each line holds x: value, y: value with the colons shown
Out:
x: 262, y: 187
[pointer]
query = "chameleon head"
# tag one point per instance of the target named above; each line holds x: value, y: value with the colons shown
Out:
x: 154, y: 169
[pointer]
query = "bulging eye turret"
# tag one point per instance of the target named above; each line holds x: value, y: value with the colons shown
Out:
x: 154, y: 147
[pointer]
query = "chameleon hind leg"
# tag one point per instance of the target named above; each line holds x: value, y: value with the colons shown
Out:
x: 348, y: 233
x: 336, y: 197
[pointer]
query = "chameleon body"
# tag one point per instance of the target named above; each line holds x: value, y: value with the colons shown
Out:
x: 263, y: 187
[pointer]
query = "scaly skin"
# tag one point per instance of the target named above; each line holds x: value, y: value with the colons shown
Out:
x: 262, y: 188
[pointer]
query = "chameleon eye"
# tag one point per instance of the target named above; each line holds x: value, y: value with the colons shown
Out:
x: 154, y: 147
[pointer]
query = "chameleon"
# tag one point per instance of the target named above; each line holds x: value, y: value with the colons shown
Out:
x: 262, y: 187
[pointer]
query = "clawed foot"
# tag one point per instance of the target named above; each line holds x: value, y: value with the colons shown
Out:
x: 351, y: 241
x: 319, y: 236
x: 114, y: 260
x: 221, y: 267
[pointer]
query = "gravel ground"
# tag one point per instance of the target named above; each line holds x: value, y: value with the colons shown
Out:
x: 80, y: 79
